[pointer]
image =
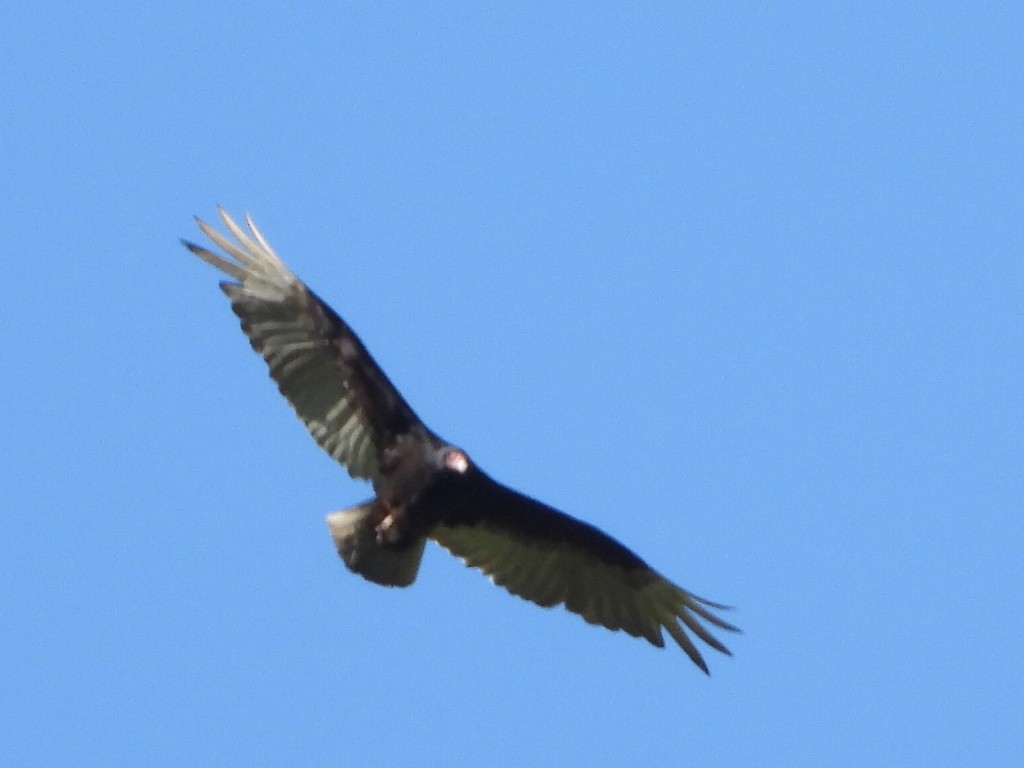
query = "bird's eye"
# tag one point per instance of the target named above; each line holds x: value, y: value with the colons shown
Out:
x: 456, y: 461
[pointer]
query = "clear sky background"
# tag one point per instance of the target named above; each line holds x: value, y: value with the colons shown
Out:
x: 739, y: 283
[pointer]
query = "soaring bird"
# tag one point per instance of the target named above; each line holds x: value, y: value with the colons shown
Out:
x: 424, y: 486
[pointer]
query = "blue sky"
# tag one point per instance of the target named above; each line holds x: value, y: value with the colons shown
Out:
x: 741, y: 284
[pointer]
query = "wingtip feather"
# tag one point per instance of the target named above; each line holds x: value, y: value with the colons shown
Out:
x: 688, y: 646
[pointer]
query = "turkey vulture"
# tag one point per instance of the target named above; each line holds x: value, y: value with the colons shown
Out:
x: 427, y: 488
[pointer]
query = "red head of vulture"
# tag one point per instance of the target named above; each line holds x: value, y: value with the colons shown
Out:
x: 425, y: 487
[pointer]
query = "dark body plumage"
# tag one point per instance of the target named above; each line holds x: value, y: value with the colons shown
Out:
x: 424, y: 486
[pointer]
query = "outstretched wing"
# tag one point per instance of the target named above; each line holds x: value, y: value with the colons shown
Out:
x: 548, y: 557
x: 319, y: 364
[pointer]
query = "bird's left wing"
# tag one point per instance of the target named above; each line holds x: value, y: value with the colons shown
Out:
x: 320, y: 365
x: 548, y: 557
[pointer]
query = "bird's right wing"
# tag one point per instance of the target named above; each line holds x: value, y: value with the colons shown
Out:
x: 548, y: 557
x: 318, y: 362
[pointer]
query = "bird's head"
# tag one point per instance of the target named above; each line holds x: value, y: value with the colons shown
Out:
x: 454, y: 460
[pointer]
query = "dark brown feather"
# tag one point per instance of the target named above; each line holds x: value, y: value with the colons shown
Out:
x: 346, y: 401
x: 548, y: 557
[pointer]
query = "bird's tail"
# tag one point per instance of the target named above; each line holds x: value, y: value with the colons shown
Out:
x: 355, y: 536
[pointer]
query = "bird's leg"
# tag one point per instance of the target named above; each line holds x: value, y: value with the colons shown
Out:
x: 389, y: 529
x: 386, y: 529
